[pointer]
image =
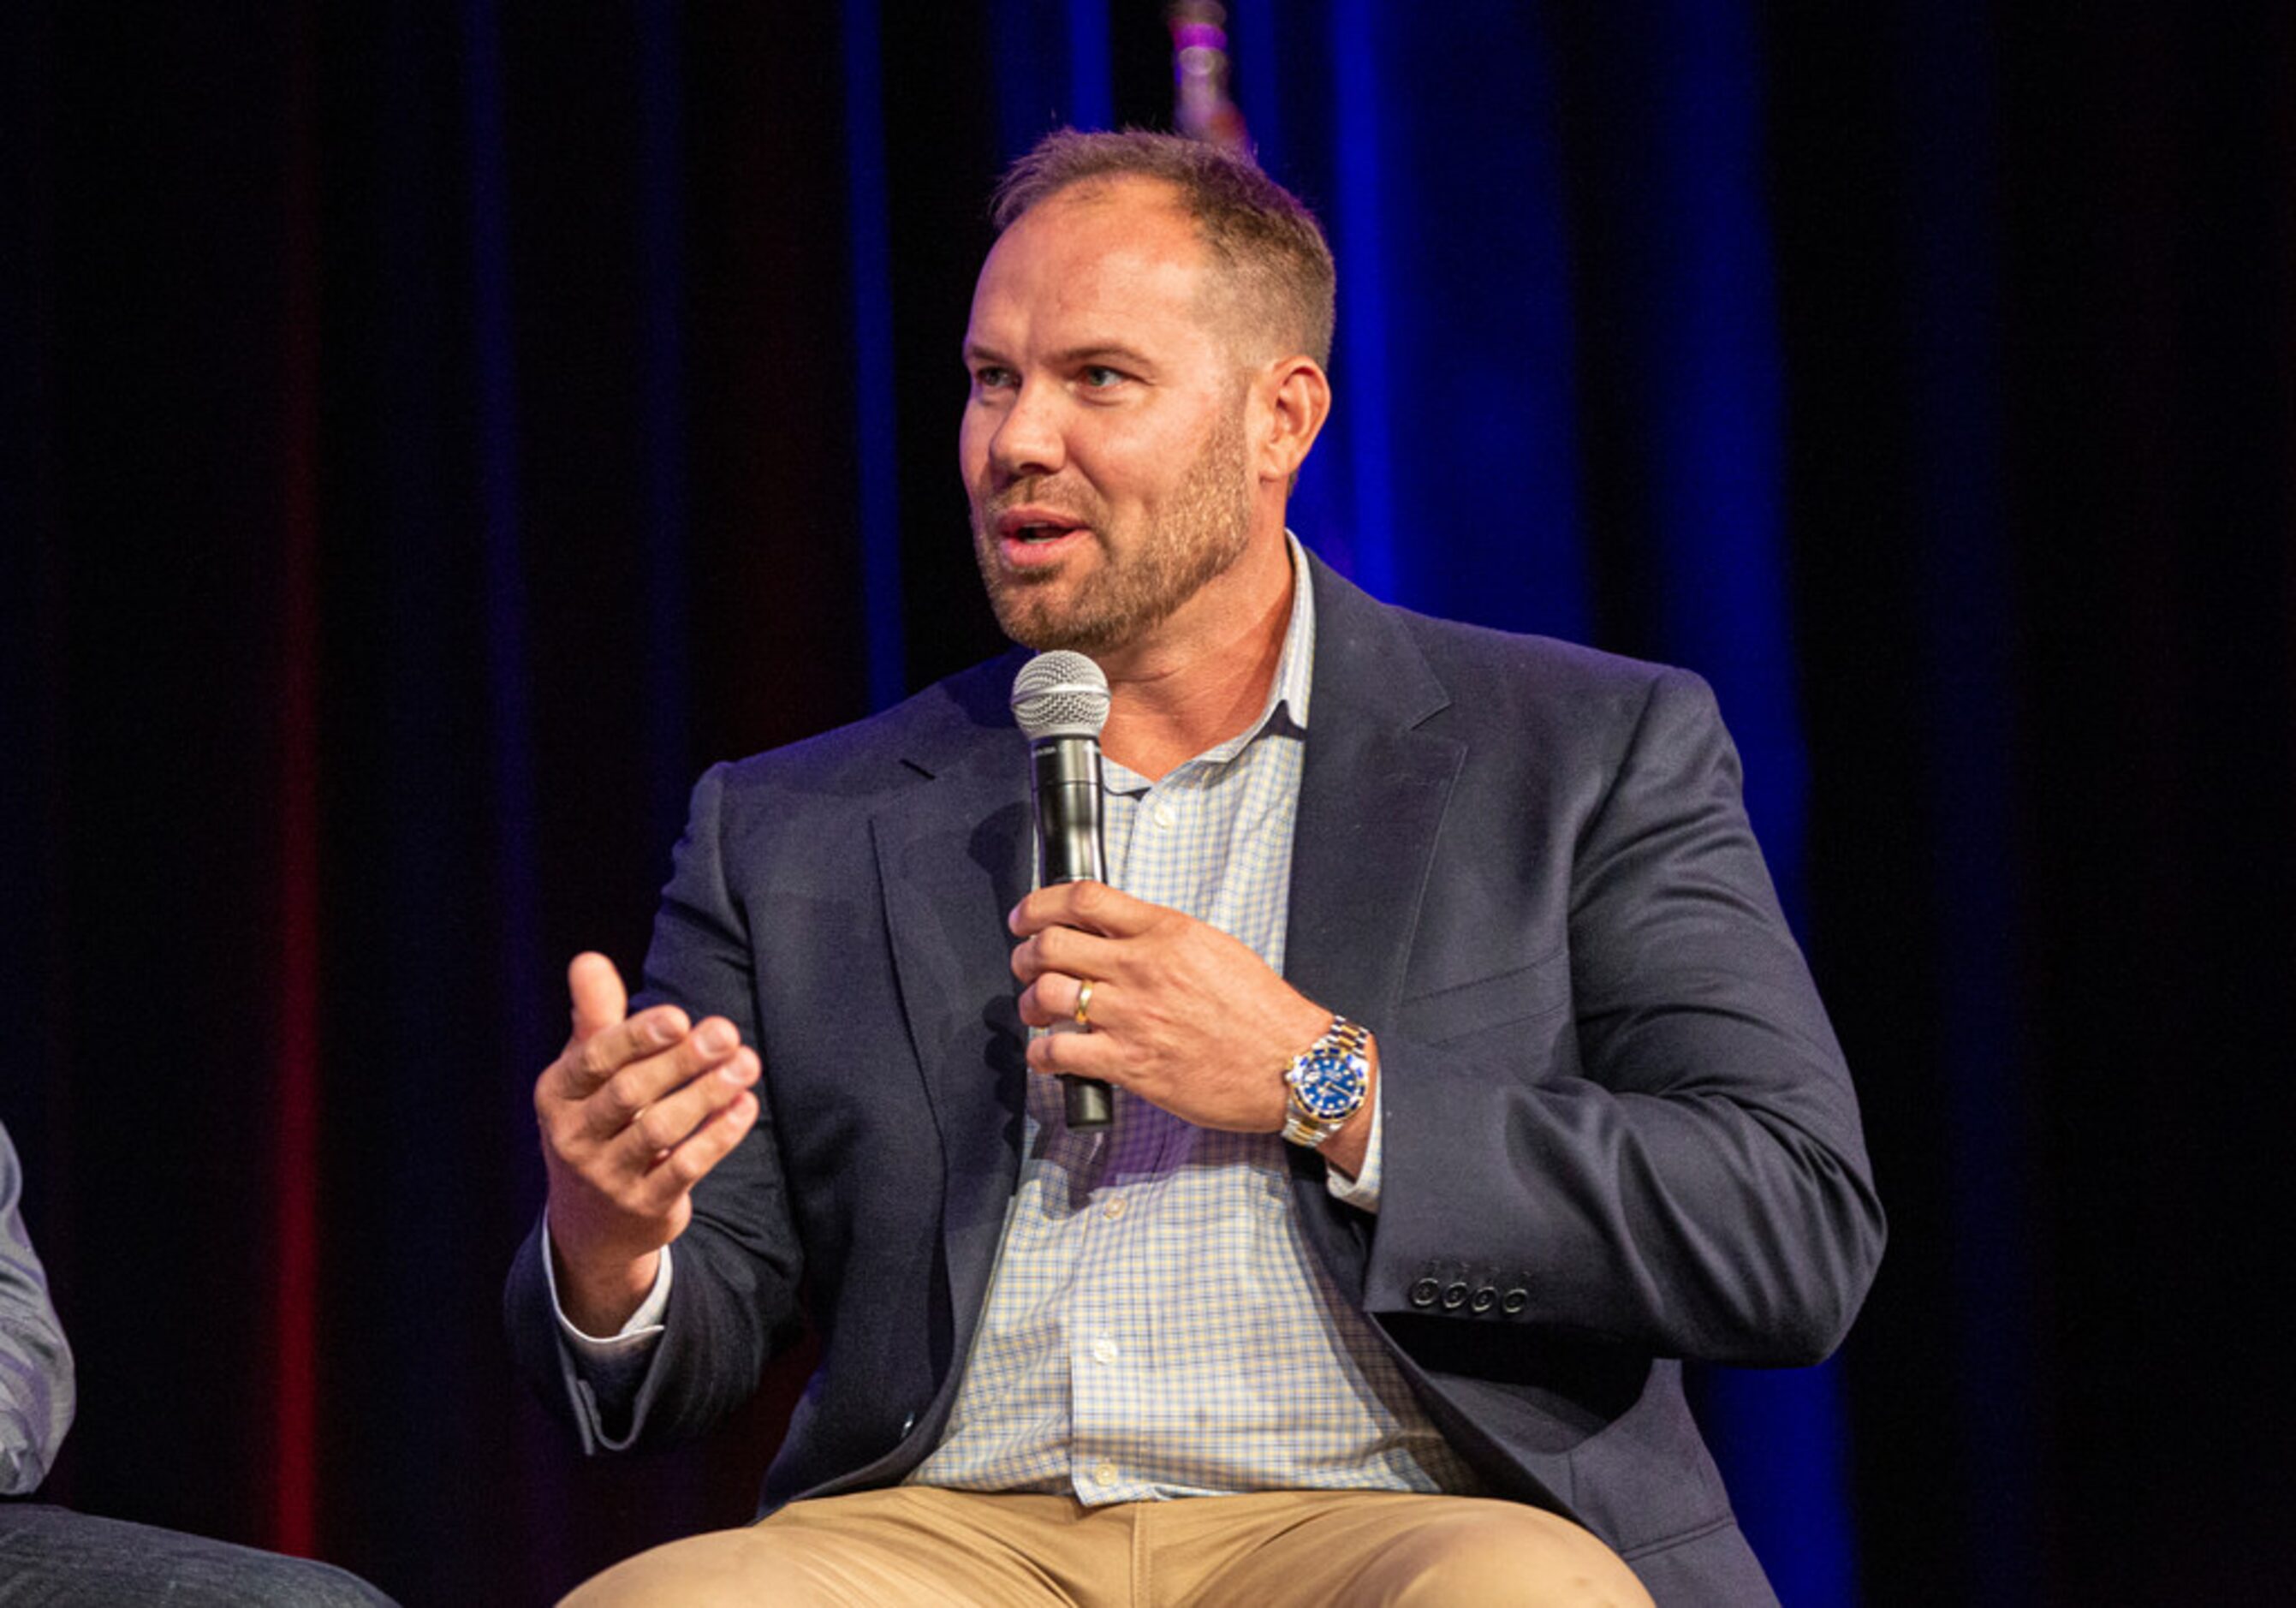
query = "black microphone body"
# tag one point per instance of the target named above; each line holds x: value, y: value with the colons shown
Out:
x: 1069, y: 848
x: 1060, y: 700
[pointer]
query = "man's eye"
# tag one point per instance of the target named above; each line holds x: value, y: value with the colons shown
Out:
x: 991, y: 378
x: 1099, y: 376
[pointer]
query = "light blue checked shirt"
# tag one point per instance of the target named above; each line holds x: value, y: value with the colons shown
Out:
x: 1156, y: 1326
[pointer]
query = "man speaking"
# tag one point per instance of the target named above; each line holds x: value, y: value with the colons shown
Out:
x: 1465, y: 1076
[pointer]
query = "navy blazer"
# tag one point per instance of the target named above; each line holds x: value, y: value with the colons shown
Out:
x: 1617, y: 1131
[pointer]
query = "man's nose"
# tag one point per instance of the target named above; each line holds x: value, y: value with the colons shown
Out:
x: 1028, y: 439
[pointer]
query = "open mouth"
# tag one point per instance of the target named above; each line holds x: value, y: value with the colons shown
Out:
x: 1031, y: 536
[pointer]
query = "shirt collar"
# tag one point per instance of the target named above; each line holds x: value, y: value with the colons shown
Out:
x: 1285, y: 712
x: 1295, y: 671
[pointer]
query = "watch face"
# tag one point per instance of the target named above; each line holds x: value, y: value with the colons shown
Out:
x: 1330, y: 1083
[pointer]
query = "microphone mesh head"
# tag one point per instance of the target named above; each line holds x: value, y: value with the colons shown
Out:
x: 1060, y: 695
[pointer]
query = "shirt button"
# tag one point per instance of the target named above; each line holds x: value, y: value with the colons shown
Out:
x: 1105, y: 1474
x: 1115, y: 1207
x: 1163, y: 814
x: 1103, y: 1349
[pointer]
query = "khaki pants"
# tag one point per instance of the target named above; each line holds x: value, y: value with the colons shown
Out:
x: 921, y: 1545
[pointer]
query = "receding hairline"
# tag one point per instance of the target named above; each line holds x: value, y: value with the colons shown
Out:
x: 1262, y: 241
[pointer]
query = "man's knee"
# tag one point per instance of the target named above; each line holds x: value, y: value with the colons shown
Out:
x: 1503, y: 1556
x: 697, y: 1571
x: 725, y: 1569
x: 902, y: 1547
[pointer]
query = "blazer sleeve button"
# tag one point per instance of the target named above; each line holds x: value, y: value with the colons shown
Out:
x: 1454, y: 1296
x: 1423, y: 1292
x: 1483, y: 1301
x: 1514, y: 1301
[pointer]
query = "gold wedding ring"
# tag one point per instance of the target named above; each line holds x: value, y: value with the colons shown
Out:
x: 1083, y: 1011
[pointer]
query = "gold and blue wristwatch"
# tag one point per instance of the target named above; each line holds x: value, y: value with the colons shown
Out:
x: 1329, y: 1081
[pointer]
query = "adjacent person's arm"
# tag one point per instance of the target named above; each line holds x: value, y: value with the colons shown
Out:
x: 36, y: 1365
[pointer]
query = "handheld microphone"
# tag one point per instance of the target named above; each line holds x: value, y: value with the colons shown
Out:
x: 1061, y: 701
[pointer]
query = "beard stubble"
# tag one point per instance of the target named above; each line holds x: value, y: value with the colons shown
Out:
x: 1196, y: 538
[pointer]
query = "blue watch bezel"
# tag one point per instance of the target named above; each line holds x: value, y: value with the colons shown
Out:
x: 1329, y: 1082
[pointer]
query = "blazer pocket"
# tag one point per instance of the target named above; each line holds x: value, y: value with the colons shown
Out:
x: 1463, y: 1011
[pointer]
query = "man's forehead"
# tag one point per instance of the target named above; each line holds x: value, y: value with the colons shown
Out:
x: 1088, y: 246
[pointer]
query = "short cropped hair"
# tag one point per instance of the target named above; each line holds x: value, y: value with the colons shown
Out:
x: 1261, y: 236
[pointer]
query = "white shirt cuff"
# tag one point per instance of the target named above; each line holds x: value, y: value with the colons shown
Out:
x: 635, y: 1339
x: 1362, y: 1191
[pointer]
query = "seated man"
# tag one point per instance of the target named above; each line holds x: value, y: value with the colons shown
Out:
x: 1466, y: 1077
x: 59, y: 1559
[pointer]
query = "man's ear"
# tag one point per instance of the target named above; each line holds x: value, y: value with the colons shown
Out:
x: 1295, y: 399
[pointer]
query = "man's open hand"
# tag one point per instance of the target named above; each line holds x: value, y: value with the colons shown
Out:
x: 634, y: 1113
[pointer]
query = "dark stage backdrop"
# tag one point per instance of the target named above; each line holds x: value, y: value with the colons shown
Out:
x: 433, y: 432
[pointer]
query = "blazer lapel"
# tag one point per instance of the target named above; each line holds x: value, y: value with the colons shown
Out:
x: 952, y: 858
x: 1372, y: 799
